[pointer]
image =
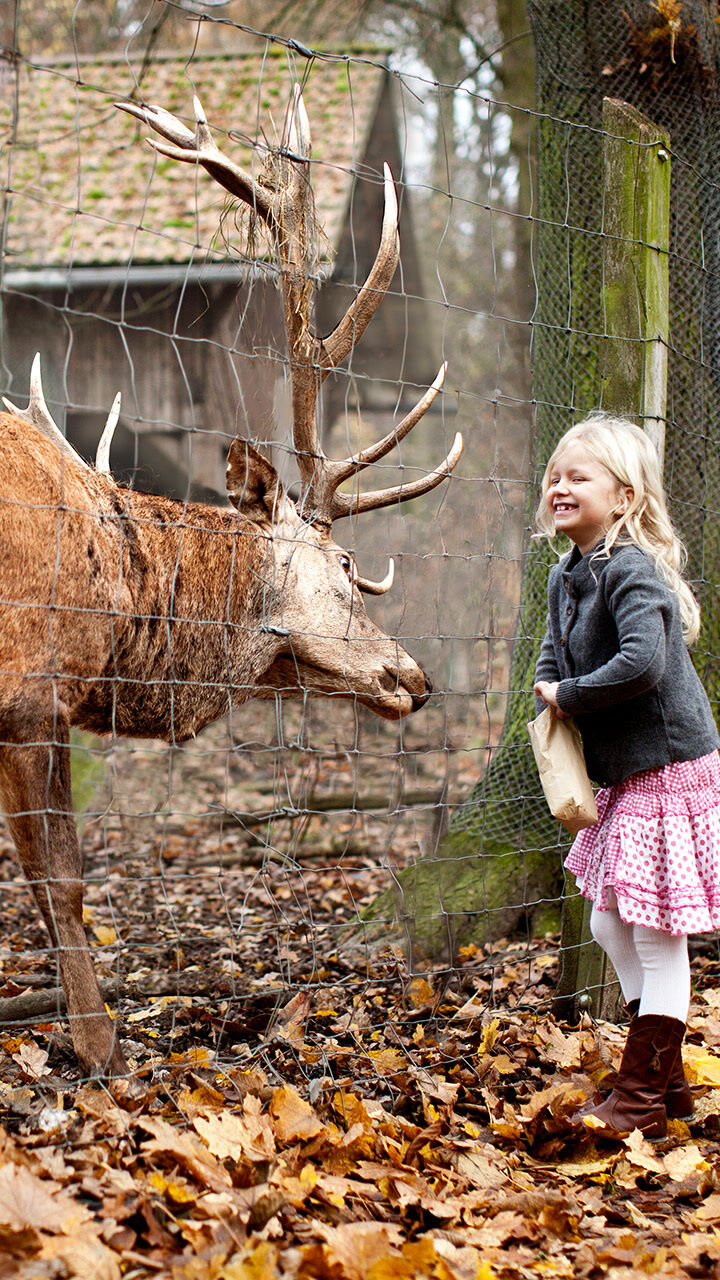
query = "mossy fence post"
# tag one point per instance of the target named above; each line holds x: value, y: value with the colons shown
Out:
x: 635, y: 303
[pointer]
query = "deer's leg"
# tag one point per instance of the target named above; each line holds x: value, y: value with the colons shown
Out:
x: 36, y: 796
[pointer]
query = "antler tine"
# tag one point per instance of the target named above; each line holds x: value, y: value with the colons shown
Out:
x: 38, y: 414
x: 376, y: 588
x: 299, y: 137
x: 341, y: 471
x: 102, y: 457
x: 321, y: 477
x: 361, y: 311
x: 200, y: 148
x: 346, y: 504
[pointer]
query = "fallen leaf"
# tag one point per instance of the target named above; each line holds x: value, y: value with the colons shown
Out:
x: 253, y: 1264
x: 105, y: 935
x: 83, y: 1259
x: 709, y: 1210
x: 701, y: 1066
x: 421, y: 993
x: 387, y: 1061
x: 229, y: 1135
x: 186, y: 1150
x: 683, y: 1161
x: 29, y: 1201
x: 355, y: 1247
x: 490, y: 1033
x: 482, y: 1170
x: 294, y: 1118
x: 638, y: 1151
x: 32, y: 1060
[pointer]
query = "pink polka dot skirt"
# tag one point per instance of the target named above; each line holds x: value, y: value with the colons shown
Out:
x: 657, y: 845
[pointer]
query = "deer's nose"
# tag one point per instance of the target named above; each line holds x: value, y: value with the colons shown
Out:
x: 419, y: 699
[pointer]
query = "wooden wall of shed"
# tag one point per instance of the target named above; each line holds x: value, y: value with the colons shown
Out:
x: 195, y: 366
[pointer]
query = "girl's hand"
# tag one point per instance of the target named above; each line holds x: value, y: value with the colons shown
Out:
x: 548, y: 692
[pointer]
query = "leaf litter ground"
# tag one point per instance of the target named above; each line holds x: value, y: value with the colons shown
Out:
x: 312, y: 1106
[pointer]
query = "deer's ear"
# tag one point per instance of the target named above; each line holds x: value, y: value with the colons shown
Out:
x: 253, y: 484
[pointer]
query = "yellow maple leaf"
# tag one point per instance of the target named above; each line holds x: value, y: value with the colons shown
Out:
x: 179, y: 1192
x: 197, y: 1056
x: 490, y: 1033
x: 387, y: 1061
x: 105, y: 935
x: 701, y: 1066
x: 421, y: 993
x: 260, y: 1264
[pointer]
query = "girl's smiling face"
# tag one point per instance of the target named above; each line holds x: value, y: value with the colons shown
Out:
x: 583, y: 496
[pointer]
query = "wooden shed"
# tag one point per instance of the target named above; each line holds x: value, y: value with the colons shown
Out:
x: 128, y: 272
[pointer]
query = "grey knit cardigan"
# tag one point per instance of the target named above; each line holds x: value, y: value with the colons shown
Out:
x: 614, y: 642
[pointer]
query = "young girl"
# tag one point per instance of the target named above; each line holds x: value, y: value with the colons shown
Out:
x: 615, y: 657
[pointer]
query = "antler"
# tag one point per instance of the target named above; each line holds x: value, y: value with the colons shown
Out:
x: 102, y: 456
x: 282, y: 198
x: 39, y: 415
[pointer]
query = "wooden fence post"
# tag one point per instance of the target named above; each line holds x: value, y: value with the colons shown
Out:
x: 635, y: 297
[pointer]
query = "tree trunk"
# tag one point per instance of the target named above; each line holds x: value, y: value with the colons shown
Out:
x: 502, y: 858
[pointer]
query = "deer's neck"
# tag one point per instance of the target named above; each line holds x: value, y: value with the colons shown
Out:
x: 190, y: 642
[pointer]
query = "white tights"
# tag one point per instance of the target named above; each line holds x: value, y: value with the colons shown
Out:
x: 652, y: 966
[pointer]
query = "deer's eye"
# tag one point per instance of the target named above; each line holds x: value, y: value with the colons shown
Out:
x: 346, y: 564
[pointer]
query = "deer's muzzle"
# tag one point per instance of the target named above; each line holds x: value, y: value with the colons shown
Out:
x: 419, y: 699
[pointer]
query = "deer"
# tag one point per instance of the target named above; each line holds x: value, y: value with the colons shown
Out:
x: 126, y: 613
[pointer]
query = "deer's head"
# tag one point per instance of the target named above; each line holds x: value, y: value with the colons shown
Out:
x: 311, y: 607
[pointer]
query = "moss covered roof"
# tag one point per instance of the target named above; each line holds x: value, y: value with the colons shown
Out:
x: 85, y: 189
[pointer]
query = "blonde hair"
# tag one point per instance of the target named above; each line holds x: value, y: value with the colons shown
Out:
x: 630, y: 456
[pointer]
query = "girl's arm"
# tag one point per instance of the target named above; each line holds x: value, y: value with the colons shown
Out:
x: 547, y: 675
x: 546, y: 667
x: 642, y: 608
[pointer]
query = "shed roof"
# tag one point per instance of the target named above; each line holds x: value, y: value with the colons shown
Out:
x: 85, y: 190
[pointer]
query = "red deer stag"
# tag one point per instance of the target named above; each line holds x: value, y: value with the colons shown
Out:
x: 132, y: 614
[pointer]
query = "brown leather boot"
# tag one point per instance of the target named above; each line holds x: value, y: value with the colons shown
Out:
x: 679, y: 1104
x: 636, y: 1102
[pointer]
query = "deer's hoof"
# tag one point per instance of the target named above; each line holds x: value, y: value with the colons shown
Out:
x: 127, y: 1090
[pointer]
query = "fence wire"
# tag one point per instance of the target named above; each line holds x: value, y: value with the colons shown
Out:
x: 292, y: 849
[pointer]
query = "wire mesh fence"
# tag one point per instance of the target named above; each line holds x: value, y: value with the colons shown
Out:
x: 303, y: 853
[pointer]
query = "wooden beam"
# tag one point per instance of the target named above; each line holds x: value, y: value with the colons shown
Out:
x: 635, y: 286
